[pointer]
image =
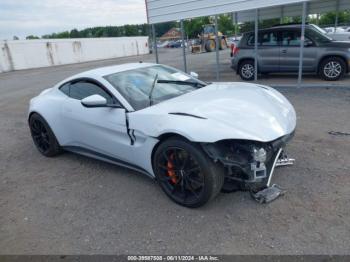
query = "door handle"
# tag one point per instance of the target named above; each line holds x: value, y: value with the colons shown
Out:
x: 284, y: 51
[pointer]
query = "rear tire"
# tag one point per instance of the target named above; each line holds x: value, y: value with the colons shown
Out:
x: 43, y: 137
x: 332, y: 69
x: 246, y: 70
x: 185, y: 173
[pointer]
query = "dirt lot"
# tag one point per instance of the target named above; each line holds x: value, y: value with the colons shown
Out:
x: 75, y: 205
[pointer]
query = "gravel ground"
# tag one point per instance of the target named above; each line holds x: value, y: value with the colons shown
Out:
x: 75, y: 205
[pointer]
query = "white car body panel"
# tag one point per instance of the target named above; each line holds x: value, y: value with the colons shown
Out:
x: 225, y: 110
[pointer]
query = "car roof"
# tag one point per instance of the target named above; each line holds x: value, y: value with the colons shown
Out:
x: 296, y: 26
x: 103, y: 71
x: 289, y: 26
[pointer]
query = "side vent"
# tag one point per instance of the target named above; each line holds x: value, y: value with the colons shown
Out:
x: 185, y: 114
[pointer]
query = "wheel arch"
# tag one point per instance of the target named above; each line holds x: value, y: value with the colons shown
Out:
x: 32, y: 113
x: 161, y: 138
x: 347, y: 69
x: 35, y: 112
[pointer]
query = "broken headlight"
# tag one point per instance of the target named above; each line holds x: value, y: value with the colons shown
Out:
x: 259, y: 154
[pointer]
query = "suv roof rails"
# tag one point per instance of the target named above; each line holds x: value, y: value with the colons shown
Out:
x: 307, y: 23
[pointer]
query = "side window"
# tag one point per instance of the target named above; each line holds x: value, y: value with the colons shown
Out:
x: 251, y: 40
x: 65, y: 89
x: 80, y: 90
x: 290, y: 38
x: 268, y: 39
x: 265, y: 39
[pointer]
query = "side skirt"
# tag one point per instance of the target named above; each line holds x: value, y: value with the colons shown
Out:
x: 105, y: 158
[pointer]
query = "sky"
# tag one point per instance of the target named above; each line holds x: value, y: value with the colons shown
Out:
x: 38, y: 17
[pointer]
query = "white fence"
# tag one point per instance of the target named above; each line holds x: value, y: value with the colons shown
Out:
x: 17, y: 55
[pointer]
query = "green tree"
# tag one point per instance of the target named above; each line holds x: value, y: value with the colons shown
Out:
x: 329, y: 18
x: 131, y: 30
x: 194, y: 27
x: 225, y: 24
x: 74, y: 33
x: 30, y: 37
x: 162, y: 28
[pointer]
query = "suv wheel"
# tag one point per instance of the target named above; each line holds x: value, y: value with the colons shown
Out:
x: 332, y: 68
x: 246, y: 70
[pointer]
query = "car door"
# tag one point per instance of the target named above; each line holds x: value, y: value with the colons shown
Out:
x: 290, y: 51
x: 94, y: 129
x: 268, y: 51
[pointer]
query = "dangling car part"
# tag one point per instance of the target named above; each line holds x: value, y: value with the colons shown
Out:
x: 196, y: 139
x: 284, y: 160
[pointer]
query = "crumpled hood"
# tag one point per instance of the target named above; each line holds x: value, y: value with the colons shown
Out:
x: 228, y: 111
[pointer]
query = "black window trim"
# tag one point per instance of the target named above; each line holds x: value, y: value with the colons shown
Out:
x: 95, y: 82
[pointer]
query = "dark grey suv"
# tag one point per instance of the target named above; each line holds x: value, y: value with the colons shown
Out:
x: 278, y: 51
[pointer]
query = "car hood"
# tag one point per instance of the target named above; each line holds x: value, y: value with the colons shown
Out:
x: 338, y: 44
x: 221, y: 111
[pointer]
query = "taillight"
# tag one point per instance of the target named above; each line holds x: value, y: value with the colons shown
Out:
x: 234, y: 49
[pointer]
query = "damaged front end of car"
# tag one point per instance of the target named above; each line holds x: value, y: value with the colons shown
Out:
x: 249, y: 165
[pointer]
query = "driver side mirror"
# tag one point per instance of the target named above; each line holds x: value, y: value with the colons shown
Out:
x: 94, y: 101
x: 193, y: 74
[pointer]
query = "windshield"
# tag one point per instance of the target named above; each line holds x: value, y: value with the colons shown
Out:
x: 317, y: 36
x: 136, y: 85
x: 322, y: 31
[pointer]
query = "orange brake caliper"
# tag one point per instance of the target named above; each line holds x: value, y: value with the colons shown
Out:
x: 171, y: 172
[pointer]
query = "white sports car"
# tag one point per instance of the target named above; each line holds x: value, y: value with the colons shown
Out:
x: 195, y: 138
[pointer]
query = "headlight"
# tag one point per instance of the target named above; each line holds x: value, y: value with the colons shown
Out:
x: 259, y: 155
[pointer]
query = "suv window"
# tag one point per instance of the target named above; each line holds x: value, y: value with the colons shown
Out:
x: 292, y: 38
x: 265, y: 39
x: 80, y: 90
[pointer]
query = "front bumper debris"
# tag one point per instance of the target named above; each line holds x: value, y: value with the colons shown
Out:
x: 268, y: 194
x: 248, y: 168
x: 284, y: 160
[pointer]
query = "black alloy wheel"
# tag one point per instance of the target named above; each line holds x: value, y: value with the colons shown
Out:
x: 186, y: 174
x: 43, y: 137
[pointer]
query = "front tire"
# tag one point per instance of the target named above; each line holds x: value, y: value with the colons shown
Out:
x: 246, y: 70
x: 332, y: 68
x: 43, y: 137
x: 185, y: 173
x: 210, y: 45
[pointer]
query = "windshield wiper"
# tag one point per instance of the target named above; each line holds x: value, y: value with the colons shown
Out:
x: 178, y: 82
x: 155, y: 81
